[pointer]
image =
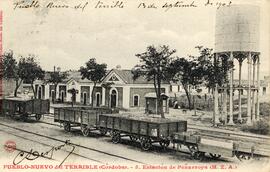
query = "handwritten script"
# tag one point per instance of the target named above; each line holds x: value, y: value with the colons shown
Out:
x: 33, y: 155
x: 113, y: 4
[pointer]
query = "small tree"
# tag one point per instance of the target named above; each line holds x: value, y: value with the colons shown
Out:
x: 154, y: 67
x: 93, y: 72
x: 29, y: 71
x: 55, y: 78
x: 10, y: 70
x: 214, y: 69
x: 187, y: 72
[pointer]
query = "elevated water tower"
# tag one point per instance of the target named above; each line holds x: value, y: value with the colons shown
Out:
x: 237, y: 36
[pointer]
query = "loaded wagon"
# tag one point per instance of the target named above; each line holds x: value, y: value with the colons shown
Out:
x: 199, y: 145
x: 145, y: 129
x: 87, y: 118
x: 248, y: 150
x: 25, y: 108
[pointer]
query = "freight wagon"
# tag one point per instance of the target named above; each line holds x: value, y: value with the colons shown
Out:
x: 87, y: 118
x: 200, y: 145
x: 146, y: 130
x: 25, y: 108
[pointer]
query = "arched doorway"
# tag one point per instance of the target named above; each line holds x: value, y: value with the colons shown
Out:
x: 114, y: 98
x: 97, y: 99
x: 62, y: 96
x: 53, y: 95
x: 39, y: 93
x: 84, y: 98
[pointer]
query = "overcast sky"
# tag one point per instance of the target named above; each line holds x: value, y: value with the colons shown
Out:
x: 68, y: 38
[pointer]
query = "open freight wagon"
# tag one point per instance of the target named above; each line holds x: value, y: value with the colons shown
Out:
x: 199, y: 145
x: 25, y: 108
x: 87, y: 118
x: 145, y: 129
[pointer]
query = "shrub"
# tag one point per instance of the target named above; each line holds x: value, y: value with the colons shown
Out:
x: 265, y: 109
x: 259, y: 127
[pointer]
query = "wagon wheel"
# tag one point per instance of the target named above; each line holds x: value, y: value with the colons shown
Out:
x: 67, y: 127
x: 146, y: 143
x: 242, y: 157
x: 12, y: 116
x: 164, y: 143
x: 116, y: 138
x: 133, y: 138
x: 38, y: 116
x: 195, y: 153
x: 103, y: 131
x: 215, y: 156
x: 24, y: 117
x: 85, y: 131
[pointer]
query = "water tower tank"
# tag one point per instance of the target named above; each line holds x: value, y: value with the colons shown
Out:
x: 237, y: 28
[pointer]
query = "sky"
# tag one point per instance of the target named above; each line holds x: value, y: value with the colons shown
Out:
x: 67, y: 38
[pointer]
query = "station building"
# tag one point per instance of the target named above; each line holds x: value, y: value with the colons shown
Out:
x: 117, y: 89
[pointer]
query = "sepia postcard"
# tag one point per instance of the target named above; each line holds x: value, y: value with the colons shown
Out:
x: 135, y: 85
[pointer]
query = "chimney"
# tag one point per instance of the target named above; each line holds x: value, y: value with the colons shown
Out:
x: 58, y: 69
x: 118, y: 67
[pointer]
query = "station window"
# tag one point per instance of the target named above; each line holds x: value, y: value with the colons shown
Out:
x: 264, y: 90
x: 136, y: 100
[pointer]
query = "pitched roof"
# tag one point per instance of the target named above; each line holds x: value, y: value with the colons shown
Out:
x: 124, y: 74
x: 76, y: 75
x: 127, y: 77
x: 72, y: 74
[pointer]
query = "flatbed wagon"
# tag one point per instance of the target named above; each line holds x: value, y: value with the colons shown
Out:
x: 87, y: 118
x: 146, y: 130
x: 200, y: 145
x: 25, y: 108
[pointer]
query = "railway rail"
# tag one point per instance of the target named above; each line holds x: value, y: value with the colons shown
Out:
x: 216, y: 135
x: 77, y: 145
x: 157, y: 148
x: 44, y: 144
x: 78, y: 118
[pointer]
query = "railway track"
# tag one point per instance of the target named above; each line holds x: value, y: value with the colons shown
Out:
x: 44, y: 144
x: 156, y: 147
x: 227, y: 135
x: 77, y: 145
x: 208, y: 133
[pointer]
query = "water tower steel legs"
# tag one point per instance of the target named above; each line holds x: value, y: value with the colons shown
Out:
x: 253, y: 91
x: 252, y: 88
x: 216, y: 108
x: 248, y: 93
x: 231, y: 93
x: 216, y: 111
x: 240, y: 91
x: 258, y: 89
x: 225, y: 115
